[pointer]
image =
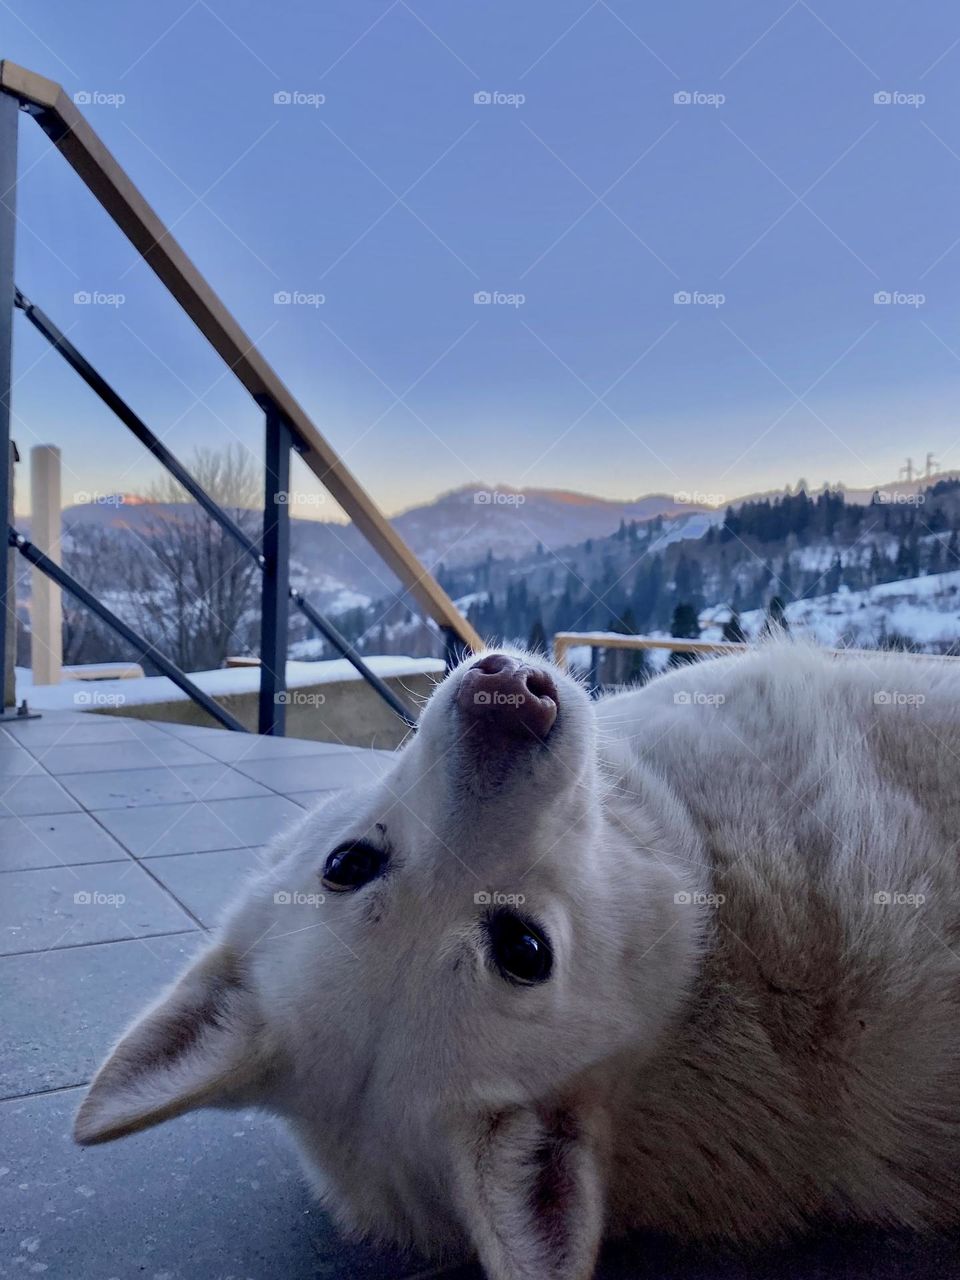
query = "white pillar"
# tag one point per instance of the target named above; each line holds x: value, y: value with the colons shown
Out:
x: 46, y: 614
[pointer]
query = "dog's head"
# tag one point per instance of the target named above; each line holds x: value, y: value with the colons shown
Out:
x: 430, y: 981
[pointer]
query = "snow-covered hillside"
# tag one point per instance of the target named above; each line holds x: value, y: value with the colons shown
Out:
x: 924, y: 612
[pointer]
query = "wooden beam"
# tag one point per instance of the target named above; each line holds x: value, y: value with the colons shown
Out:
x: 65, y: 125
x: 563, y: 641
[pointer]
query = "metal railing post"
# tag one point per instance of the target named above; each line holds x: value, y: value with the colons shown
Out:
x: 275, y: 606
x: 9, y: 120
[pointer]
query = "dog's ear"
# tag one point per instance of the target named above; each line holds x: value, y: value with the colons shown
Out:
x: 200, y: 1045
x: 530, y: 1187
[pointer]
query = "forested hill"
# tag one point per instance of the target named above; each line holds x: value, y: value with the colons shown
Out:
x: 794, y: 546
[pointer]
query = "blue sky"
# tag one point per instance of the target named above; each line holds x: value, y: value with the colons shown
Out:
x: 587, y: 189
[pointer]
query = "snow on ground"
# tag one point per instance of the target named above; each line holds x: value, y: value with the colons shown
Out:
x: 79, y: 695
x: 923, y: 610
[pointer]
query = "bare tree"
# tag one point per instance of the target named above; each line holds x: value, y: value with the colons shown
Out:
x: 96, y: 558
x: 193, y: 590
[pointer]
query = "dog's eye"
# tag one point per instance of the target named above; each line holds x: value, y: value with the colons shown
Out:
x: 353, y: 865
x: 520, y: 949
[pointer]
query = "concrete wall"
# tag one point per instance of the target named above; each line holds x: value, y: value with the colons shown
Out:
x: 346, y: 711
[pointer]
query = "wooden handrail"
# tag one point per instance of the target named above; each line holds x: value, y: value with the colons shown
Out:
x: 67, y: 128
x: 566, y: 640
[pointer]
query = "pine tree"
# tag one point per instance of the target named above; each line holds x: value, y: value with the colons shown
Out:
x: 684, y: 626
x: 537, y: 641
x: 776, y: 620
x: 733, y: 631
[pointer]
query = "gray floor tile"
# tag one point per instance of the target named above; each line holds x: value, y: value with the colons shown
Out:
x: 210, y: 1196
x: 124, y: 789
x: 206, y: 883
x: 61, y: 1010
x: 157, y: 751
x: 316, y: 773
x: 309, y: 799
x: 67, y: 906
x: 158, y: 830
x: 15, y: 763
x: 53, y: 840
x: 35, y: 793
x: 254, y: 746
x: 54, y: 728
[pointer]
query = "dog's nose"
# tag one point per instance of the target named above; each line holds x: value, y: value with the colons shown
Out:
x: 509, y: 697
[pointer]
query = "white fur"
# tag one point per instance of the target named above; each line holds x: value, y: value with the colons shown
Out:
x: 737, y: 1037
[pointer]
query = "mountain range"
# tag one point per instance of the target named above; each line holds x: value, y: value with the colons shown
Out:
x: 459, y: 528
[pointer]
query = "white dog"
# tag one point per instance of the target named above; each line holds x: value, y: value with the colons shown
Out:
x: 687, y: 959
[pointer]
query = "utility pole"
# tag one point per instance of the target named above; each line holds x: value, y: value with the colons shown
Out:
x: 907, y: 472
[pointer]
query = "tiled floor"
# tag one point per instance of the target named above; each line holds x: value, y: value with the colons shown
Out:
x: 120, y: 843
